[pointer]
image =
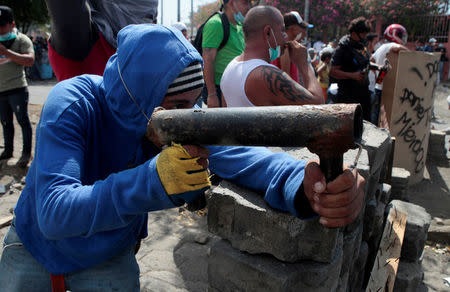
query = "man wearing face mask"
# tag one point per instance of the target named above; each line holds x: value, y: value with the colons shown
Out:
x: 249, y: 80
x: 84, y: 33
x: 296, y: 29
x: 216, y: 60
x: 350, y: 64
x: 16, y: 52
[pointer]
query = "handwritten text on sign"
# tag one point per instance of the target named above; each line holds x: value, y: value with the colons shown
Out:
x: 413, y: 109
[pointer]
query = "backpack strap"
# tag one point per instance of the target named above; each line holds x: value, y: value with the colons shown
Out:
x: 226, y: 29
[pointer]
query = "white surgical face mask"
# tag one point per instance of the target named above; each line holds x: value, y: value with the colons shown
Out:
x: 274, y: 53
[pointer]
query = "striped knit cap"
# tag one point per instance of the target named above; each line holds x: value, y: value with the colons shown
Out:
x: 189, y: 79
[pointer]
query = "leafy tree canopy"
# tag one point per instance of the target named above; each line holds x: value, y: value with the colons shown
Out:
x: 204, y: 12
x: 28, y: 12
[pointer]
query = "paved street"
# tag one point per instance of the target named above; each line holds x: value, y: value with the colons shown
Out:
x: 39, y: 90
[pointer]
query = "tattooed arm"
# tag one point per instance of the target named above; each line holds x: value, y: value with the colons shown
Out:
x: 267, y: 85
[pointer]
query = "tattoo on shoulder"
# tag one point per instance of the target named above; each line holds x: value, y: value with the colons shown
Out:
x: 280, y: 84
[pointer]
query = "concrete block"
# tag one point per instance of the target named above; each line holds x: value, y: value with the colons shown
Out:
x: 439, y: 230
x: 417, y: 224
x: 377, y: 142
x: 351, y: 245
x: 385, y: 194
x: 400, y: 177
x: 357, y: 272
x: 250, y: 224
x: 399, y: 183
x: 373, y: 186
x: 232, y: 270
x: 369, y: 215
x: 378, y: 221
x: 409, y: 277
x: 436, y: 145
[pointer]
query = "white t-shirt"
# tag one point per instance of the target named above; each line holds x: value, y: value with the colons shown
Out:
x: 234, y: 78
x: 380, y: 56
x: 318, y: 46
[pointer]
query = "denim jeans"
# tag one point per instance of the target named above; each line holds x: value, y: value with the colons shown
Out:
x: 16, y: 103
x: 19, y: 271
x: 375, y: 103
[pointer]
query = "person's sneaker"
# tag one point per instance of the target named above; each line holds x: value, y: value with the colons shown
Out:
x: 6, y: 155
x: 23, y: 160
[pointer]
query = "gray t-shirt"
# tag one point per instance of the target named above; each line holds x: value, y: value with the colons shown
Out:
x: 12, y: 75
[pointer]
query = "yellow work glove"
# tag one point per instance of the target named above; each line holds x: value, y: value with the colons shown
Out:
x: 180, y: 174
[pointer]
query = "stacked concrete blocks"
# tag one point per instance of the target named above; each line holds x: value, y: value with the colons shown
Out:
x: 232, y: 270
x: 263, y: 249
x: 244, y: 218
x: 436, y: 146
x: 399, y: 183
x: 276, y: 250
x: 410, y: 274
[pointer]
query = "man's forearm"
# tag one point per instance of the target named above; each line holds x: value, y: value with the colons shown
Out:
x: 310, y: 82
x: 208, y: 72
x: 26, y: 60
x: 209, y: 55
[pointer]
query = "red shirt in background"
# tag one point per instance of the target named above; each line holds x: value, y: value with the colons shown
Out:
x: 293, y: 69
x: 94, y: 63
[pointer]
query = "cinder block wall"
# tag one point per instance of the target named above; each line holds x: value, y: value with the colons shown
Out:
x: 263, y: 249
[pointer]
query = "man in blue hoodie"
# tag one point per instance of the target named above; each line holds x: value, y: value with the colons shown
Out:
x: 95, y: 177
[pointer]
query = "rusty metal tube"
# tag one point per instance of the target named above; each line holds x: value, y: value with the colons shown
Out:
x: 327, y: 130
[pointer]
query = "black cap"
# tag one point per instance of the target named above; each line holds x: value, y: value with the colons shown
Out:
x: 6, y: 15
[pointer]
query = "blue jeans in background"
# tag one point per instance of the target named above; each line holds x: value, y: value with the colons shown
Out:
x: 16, y: 103
x: 19, y: 271
x: 375, y: 103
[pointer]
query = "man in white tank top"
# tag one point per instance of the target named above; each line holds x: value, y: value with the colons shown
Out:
x: 249, y: 80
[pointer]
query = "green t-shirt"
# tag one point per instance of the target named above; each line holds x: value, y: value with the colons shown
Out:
x: 212, y: 37
x: 12, y: 75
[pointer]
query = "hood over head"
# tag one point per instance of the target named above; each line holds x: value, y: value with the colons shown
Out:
x: 150, y: 57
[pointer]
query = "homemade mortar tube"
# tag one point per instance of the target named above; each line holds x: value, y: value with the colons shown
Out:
x: 326, y: 130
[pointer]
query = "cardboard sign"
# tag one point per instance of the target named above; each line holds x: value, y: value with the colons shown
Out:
x: 408, y: 103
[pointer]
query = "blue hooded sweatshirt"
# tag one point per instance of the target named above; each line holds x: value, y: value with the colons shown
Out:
x: 94, y: 178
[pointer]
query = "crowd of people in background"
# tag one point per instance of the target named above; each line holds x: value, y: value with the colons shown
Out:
x: 97, y: 172
x: 41, y: 68
x: 432, y: 46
